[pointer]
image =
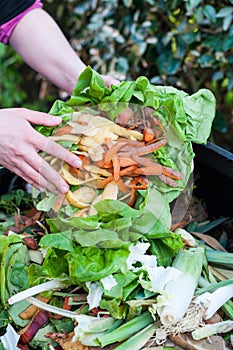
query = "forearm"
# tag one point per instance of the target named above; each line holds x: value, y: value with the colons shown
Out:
x: 43, y: 46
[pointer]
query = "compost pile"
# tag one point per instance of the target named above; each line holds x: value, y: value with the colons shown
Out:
x: 108, y: 266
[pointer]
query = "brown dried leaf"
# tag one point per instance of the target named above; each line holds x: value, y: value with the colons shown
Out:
x: 65, y: 341
x: 221, y: 274
x: 185, y: 341
x: 211, y: 241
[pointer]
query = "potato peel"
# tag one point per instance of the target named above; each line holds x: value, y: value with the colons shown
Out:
x: 71, y: 198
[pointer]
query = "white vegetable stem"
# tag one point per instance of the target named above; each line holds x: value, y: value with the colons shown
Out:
x: 10, y: 339
x: 211, y: 329
x: 178, y: 293
x: 51, y: 308
x: 214, y: 301
x: 43, y: 287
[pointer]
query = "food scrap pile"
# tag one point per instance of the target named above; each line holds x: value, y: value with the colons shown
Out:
x: 102, y: 266
x: 118, y: 157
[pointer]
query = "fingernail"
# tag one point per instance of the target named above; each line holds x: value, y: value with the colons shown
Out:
x: 77, y: 163
x: 64, y: 189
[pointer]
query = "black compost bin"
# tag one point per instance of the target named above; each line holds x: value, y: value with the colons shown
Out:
x: 214, y: 178
x: 9, y: 181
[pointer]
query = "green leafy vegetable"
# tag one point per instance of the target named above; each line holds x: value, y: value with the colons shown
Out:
x: 122, y: 253
x: 92, y: 263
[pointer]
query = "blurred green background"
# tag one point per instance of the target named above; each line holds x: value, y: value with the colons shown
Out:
x: 184, y: 43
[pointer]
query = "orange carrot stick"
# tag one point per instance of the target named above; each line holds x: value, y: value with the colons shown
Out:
x: 130, y: 169
x: 174, y: 174
x: 126, y: 171
x: 106, y: 181
x: 107, y: 165
x: 144, y: 149
x: 155, y: 169
x: 111, y: 152
x: 126, y: 161
x: 148, y: 135
x: 143, y: 161
x: 132, y: 198
x: 167, y: 180
x: 116, y: 168
x: 64, y: 130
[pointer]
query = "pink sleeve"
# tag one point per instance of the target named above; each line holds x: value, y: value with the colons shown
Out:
x: 7, y: 28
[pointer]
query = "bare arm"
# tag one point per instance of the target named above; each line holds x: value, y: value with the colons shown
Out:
x: 42, y: 45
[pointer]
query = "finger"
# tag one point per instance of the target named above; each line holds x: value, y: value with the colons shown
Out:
x: 45, y: 175
x: 33, y: 177
x: 48, y: 146
x: 110, y: 80
x: 41, y: 118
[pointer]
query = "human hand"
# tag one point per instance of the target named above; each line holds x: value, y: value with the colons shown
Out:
x: 110, y: 80
x: 20, y: 143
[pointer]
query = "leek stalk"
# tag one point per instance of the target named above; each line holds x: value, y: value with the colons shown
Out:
x: 43, y: 287
x: 211, y: 329
x: 127, y: 329
x: 214, y: 301
x: 210, y: 287
x: 51, y: 308
x: 220, y: 258
x: 90, y: 328
x: 174, y: 302
x: 138, y: 340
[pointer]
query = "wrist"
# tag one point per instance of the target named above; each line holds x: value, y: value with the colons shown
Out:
x: 72, y: 77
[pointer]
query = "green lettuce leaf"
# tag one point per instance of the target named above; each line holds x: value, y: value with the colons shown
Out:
x: 110, y: 209
x: 99, y: 238
x: 186, y: 118
x: 92, y: 263
x: 51, y: 267
x: 13, y: 255
x: 60, y: 240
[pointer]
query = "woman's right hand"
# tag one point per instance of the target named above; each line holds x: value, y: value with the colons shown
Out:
x: 20, y: 144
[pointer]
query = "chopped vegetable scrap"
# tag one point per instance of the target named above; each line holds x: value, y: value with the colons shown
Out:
x: 105, y: 266
x: 116, y: 158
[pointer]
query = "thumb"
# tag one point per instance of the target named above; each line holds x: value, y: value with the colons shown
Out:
x: 41, y: 118
x: 110, y: 80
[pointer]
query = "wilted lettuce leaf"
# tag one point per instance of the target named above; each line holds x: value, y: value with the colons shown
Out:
x: 191, y: 115
x: 187, y: 118
x: 92, y: 263
x: 60, y: 240
x: 99, y: 238
x: 51, y: 267
x: 89, y: 249
x: 109, y: 209
x: 12, y: 252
